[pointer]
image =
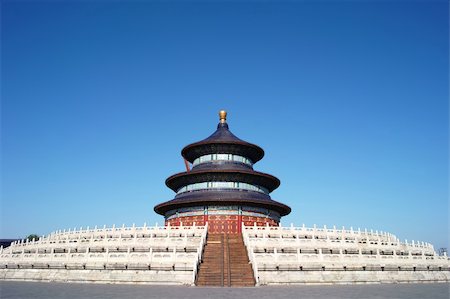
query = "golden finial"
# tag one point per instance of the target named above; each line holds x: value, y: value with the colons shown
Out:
x: 223, y: 116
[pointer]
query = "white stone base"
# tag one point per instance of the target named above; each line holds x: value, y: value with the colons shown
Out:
x: 100, y: 276
x: 350, y: 277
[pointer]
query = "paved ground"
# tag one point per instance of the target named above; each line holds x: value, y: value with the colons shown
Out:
x: 44, y: 290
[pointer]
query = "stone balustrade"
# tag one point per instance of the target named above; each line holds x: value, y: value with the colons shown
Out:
x: 171, y: 251
x: 277, y: 250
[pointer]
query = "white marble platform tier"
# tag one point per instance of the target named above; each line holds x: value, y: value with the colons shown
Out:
x: 160, y: 255
x: 304, y: 255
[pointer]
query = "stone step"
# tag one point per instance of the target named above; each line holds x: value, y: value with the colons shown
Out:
x: 225, y: 262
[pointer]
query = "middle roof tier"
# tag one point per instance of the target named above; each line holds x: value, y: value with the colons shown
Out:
x: 179, y: 180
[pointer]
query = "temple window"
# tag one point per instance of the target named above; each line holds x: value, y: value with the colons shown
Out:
x: 222, y: 185
x: 222, y: 157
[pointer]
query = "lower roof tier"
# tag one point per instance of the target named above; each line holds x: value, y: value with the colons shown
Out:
x: 222, y: 197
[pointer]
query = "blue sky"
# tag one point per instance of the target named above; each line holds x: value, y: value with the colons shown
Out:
x: 348, y: 99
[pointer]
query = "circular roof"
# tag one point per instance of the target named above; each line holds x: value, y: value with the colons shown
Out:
x: 223, y: 198
x: 222, y: 141
x: 265, y: 180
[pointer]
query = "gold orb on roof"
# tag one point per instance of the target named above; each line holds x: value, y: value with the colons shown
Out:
x: 223, y: 116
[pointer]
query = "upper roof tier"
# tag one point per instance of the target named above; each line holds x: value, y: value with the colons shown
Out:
x: 222, y: 141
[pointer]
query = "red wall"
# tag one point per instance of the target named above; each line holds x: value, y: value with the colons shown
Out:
x: 222, y: 223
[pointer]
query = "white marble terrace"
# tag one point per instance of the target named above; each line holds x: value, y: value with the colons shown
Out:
x: 275, y: 250
x: 159, y: 249
x: 171, y: 255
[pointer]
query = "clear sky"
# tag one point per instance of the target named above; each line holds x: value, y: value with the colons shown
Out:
x: 349, y: 100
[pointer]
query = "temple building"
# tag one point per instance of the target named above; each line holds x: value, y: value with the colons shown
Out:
x: 222, y: 228
x: 222, y: 188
